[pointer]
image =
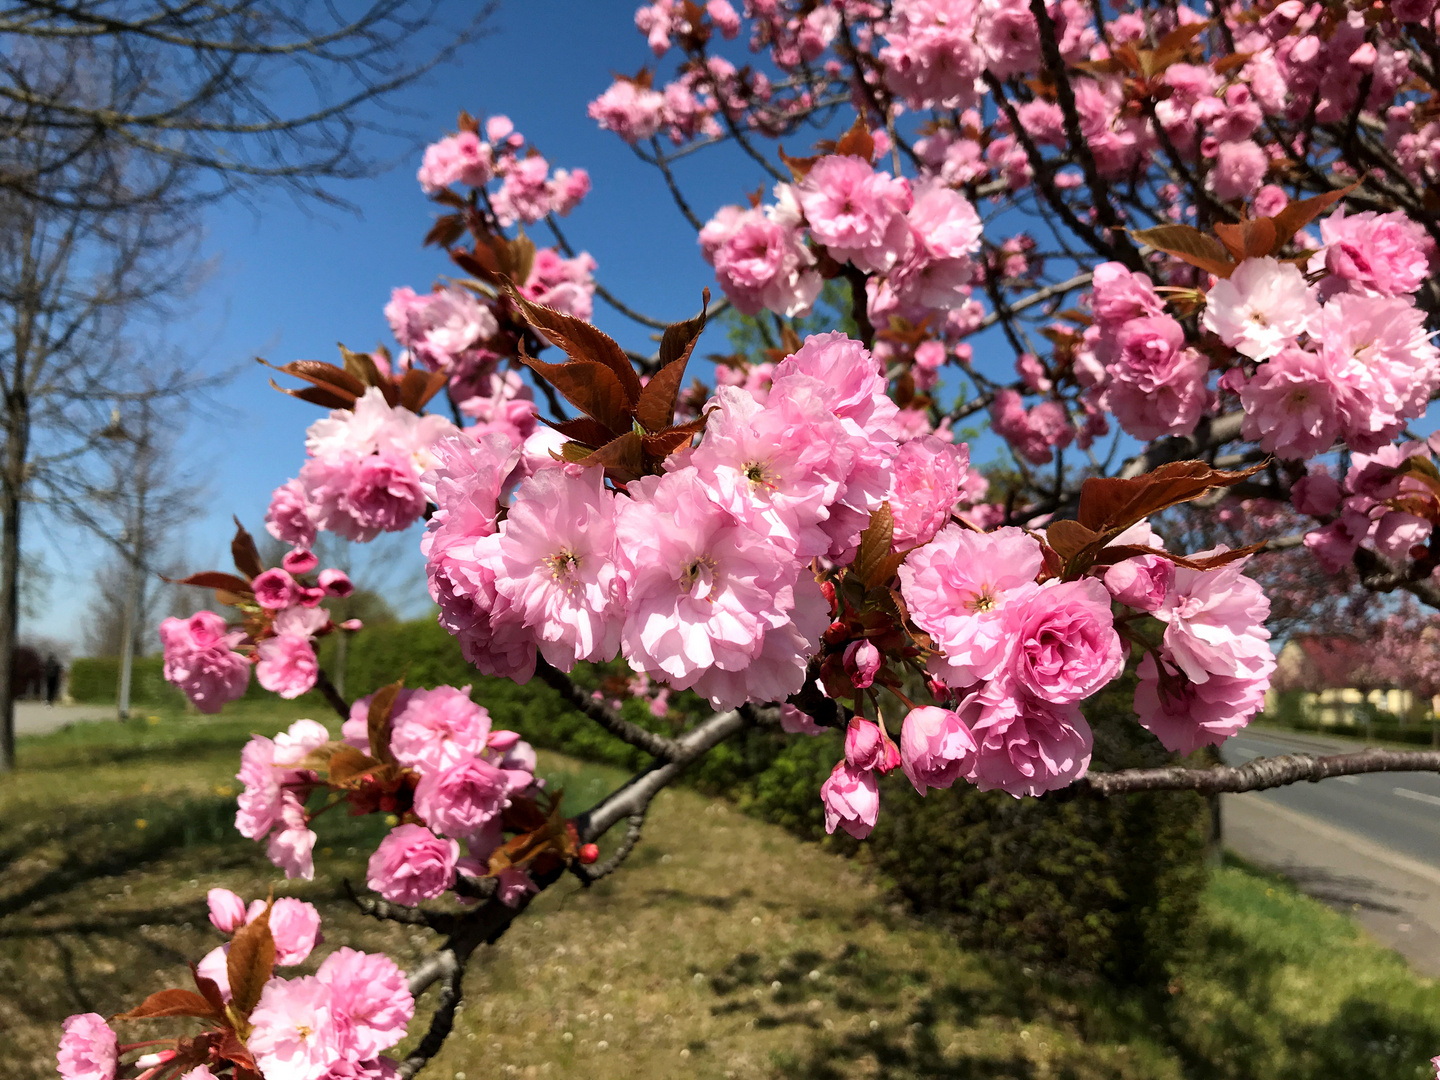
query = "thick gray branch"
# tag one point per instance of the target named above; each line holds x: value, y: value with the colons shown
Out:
x: 1260, y: 774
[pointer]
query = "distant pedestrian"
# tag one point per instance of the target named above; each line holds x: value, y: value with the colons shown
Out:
x: 53, y: 671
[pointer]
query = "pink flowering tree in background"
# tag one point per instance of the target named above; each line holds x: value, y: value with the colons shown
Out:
x: 1175, y: 258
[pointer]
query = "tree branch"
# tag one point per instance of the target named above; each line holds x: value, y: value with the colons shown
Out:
x: 655, y: 745
x: 332, y: 696
x: 1260, y: 774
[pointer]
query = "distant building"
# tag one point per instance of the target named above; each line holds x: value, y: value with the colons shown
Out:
x: 1329, y: 678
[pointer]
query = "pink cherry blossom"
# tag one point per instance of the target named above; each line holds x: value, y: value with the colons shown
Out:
x: 89, y: 1049
x: 760, y: 262
x: 1066, y: 647
x: 1388, y: 253
x: 1215, y: 623
x: 200, y: 660
x: 1141, y: 582
x: 1294, y: 404
x: 294, y: 1034
x: 1238, y: 170
x: 703, y: 589
x: 558, y: 566
x: 932, y: 58
x: 295, y: 926
x: 438, y: 728
x: 1121, y: 295
x: 336, y: 583
x: 369, y: 996
x: 287, y: 665
x: 862, y: 662
x: 461, y: 158
x: 929, y: 475
x: 291, y: 847
x: 1027, y: 747
x: 1186, y: 715
x: 856, y: 212
x: 1261, y: 308
x: 1156, y: 386
x: 795, y: 722
x: 439, y: 327
x: 958, y: 587
x: 936, y: 746
x: 460, y: 800
x: 227, y: 911
x: 412, y: 864
x: 1316, y: 493
x: 513, y: 884
x: 291, y: 516
x: 851, y: 800
x: 867, y: 747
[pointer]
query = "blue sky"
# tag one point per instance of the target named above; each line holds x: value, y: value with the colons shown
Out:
x: 293, y: 280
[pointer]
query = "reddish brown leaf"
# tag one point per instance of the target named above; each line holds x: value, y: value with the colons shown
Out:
x: 208, y: 990
x: 232, y: 1049
x: 1249, y: 239
x: 447, y: 229
x: 875, y: 543
x: 346, y: 763
x: 170, y: 1003
x: 214, y: 579
x: 362, y: 366
x: 1070, y: 538
x: 415, y: 387
x: 326, y: 399
x: 321, y: 374
x: 591, y: 387
x: 1297, y: 215
x: 581, y: 341
x: 1189, y: 244
x: 250, y: 962
x: 1227, y: 64
x: 245, y: 553
x: 662, y: 444
x: 1209, y: 562
x: 656, y: 407
x: 1110, y: 505
x: 623, y: 456
x: 799, y: 166
x: 583, y: 430
x: 377, y: 720
x: 857, y: 142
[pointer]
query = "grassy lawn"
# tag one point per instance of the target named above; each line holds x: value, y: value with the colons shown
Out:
x: 725, y: 948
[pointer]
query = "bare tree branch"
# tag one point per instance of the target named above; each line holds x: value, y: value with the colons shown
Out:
x: 1260, y: 774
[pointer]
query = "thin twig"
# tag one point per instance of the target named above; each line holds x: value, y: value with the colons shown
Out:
x: 1260, y: 774
x: 655, y: 745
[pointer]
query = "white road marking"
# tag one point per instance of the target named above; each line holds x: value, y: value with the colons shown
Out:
x: 1418, y: 796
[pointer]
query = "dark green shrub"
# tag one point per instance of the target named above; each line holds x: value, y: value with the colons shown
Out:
x: 1107, y: 886
x: 96, y: 681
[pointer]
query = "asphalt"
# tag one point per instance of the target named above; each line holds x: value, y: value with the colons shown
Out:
x: 1366, y: 845
x: 1400, y: 811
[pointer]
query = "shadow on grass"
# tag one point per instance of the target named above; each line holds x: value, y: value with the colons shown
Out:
x: 1248, y: 1037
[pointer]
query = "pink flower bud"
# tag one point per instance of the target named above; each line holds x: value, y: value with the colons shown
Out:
x: 275, y: 589
x: 1317, y: 494
x: 795, y: 722
x: 351, y: 624
x: 867, y: 747
x: 1141, y: 582
x: 336, y: 582
x: 936, y: 747
x: 227, y: 911
x: 862, y: 661
x: 300, y: 560
x: 851, y: 800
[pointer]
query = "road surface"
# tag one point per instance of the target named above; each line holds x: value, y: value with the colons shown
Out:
x: 1400, y: 811
x: 1365, y: 845
x: 36, y: 718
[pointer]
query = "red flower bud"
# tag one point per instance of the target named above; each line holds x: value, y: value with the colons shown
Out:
x: 588, y: 853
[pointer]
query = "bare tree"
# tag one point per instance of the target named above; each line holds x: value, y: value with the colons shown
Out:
x: 119, y: 120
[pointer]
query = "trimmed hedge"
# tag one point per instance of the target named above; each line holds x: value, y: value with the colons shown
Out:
x: 1106, y: 886
x: 95, y: 680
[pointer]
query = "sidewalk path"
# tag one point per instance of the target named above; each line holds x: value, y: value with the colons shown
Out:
x: 1394, y: 897
x: 35, y: 718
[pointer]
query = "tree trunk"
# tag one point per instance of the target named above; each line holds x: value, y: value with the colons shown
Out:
x: 12, y: 484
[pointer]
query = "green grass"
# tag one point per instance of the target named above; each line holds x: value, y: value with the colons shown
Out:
x: 725, y: 948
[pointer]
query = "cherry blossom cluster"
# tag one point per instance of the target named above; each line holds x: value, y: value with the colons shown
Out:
x: 444, y: 775
x: 1016, y: 651
x: 210, y: 661
x: 528, y: 190
x: 916, y: 240
x: 363, y: 473
x: 333, y: 1025
x: 1386, y: 502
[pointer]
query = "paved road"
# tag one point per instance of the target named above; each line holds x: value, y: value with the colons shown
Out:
x: 1400, y: 811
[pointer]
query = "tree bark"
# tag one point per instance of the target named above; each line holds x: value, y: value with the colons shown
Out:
x: 12, y: 485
